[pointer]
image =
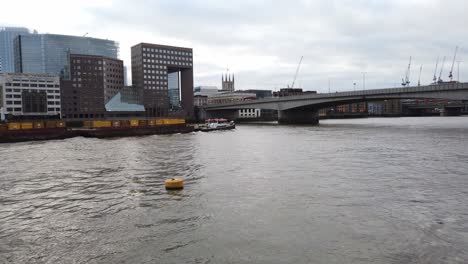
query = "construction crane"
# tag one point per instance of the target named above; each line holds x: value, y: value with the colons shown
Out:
x: 453, y: 63
x: 86, y: 34
x: 406, y: 80
x: 419, y: 79
x: 435, y: 71
x: 441, y: 69
x: 297, y: 71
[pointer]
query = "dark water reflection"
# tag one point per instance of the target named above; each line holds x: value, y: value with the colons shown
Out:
x: 348, y: 191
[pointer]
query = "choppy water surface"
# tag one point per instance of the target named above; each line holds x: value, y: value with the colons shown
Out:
x: 349, y: 191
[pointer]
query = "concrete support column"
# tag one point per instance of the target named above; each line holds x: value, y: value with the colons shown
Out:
x: 299, y: 116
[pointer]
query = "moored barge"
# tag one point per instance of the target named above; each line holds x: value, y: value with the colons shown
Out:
x: 40, y: 130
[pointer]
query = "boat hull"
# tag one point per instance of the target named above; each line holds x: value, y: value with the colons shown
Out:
x: 207, y: 129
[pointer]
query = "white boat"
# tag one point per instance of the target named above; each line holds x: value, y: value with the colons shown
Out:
x: 217, y: 124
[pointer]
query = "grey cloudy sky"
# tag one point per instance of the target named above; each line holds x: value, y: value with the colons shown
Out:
x: 262, y: 41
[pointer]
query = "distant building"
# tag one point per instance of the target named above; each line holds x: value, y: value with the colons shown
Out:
x: 205, y: 90
x: 260, y: 94
x: 2, y: 114
x: 291, y: 92
x: 392, y: 107
x: 151, y: 64
x: 7, y: 50
x: 30, y: 95
x: 249, y: 113
x: 228, y: 83
x: 48, y: 53
x: 375, y: 108
x: 94, y: 81
x: 224, y: 98
x: 200, y: 100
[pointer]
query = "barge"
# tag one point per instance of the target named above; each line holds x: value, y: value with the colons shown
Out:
x: 40, y: 130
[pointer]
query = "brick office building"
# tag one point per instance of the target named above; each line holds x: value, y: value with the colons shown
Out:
x: 151, y: 64
x: 94, y: 80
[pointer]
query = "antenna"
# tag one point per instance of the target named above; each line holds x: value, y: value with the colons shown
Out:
x: 453, y: 63
x: 441, y: 69
x: 435, y: 71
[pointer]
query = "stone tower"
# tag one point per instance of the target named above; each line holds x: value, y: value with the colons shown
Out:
x: 228, y: 84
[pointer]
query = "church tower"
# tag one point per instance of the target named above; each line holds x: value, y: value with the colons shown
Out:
x: 227, y: 83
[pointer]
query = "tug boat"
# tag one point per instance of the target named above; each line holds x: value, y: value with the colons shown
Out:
x: 217, y: 124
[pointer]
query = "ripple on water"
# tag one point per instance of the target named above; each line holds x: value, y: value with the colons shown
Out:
x: 347, y: 191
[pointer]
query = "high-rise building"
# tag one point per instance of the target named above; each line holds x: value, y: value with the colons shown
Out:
x: 30, y: 95
x: 7, y: 54
x: 94, y: 80
x: 151, y: 64
x: 227, y: 83
x: 48, y: 53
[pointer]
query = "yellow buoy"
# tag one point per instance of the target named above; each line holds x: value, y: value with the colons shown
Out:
x: 174, y: 184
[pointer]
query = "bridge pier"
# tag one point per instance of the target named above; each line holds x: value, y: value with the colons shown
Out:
x: 299, y: 116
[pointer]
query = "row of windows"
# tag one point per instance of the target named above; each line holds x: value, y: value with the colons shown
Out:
x: 28, y: 80
x: 154, y: 66
x: 155, y: 77
x: 150, y: 87
x: 30, y: 90
x: 19, y: 109
x: 13, y: 96
x: 167, y: 57
x: 53, y: 103
x: 167, y: 62
x: 31, y: 85
x: 168, y: 51
x: 13, y: 102
x: 155, y: 82
x: 154, y: 72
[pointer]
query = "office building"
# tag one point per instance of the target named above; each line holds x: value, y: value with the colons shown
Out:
x: 7, y: 54
x: 30, y: 95
x: 48, y: 53
x: 151, y: 65
x: 94, y: 81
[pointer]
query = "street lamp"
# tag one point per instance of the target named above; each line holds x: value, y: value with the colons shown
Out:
x: 364, y: 80
x: 354, y: 86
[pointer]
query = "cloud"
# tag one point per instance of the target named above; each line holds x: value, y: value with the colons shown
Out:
x: 262, y: 41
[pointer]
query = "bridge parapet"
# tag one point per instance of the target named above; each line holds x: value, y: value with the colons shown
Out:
x: 390, y: 93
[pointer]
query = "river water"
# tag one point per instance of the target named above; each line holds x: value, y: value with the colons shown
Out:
x: 389, y: 190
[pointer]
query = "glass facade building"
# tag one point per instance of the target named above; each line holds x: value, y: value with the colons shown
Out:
x: 173, y: 90
x: 48, y: 53
x: 7, y: 55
